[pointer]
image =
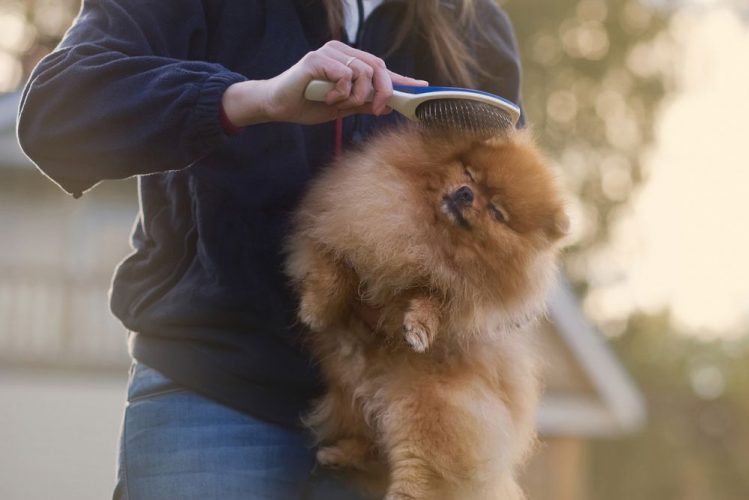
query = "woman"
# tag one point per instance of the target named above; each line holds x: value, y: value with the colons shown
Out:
x: 162, y: 90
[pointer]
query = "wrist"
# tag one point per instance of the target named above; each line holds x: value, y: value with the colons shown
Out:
x: 244, y: 103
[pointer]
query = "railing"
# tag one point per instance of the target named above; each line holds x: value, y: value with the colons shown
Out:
x: 52, y: 318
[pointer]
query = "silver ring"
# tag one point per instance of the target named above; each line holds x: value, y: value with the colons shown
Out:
x: 350, y: 60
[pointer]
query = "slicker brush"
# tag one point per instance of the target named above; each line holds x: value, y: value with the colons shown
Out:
x: 443, y: 109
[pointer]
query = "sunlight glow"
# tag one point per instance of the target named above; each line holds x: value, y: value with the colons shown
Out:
x: 685, y: 244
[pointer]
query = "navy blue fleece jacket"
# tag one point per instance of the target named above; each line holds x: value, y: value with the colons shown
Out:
x: 134, y: 89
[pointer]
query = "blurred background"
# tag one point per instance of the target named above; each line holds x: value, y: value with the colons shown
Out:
x: 642, y: 105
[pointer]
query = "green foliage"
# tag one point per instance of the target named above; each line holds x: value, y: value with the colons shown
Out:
x: 595, y: 74
x: 31, y: 28
x: 696, y: 444
x: 592, y: 86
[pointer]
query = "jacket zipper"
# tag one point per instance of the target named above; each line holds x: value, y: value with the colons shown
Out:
x: 361, y: 31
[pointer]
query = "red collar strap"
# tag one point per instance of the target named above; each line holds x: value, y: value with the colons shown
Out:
x: 338, y: 136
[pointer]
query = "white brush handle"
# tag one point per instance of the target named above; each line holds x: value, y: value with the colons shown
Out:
x: 406, y: 103
x: 402, y: 102
x: 317, y: 90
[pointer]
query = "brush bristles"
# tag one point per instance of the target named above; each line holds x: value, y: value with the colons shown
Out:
x: 461, y: 115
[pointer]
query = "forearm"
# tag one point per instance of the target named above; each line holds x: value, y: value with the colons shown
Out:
x: 122, y: 95
x: 356, y: 75
x: 110, y: 116
x: 127, y: 93
x: 245, y: 103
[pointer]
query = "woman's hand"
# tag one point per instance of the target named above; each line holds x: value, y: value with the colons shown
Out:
x: 356, y: 75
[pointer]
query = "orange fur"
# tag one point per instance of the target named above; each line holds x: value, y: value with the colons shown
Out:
x: 444, y: 391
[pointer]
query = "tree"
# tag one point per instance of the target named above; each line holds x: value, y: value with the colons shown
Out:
x: 30, y: 29
x: 695, y: 444
x: 592, y: 88
x: 595, y: 74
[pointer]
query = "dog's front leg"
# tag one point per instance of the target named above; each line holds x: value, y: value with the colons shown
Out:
x: 326, y: 290
x: 421, y: 321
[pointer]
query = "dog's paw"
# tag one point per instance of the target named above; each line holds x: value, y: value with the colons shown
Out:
x: 332, y: 456
x: 421, y: 322
x: 398, y: 496
x: 308, y: 315
x: 416, y: 334
x: 355, y: 453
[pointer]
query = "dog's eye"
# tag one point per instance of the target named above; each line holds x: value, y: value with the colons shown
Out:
x: 499, y: 213
x: 470, y: 173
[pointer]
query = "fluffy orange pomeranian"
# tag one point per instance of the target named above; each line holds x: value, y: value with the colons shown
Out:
x: 454, y: 241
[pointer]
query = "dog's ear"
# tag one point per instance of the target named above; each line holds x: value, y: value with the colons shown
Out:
x: 559, y: 225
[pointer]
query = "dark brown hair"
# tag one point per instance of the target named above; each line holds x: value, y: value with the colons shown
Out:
x: 429, y: 18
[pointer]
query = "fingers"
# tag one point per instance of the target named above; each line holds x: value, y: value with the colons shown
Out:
x: 368, y: 68
x: 371, y: 80
x: 320, y: 65
x: 362, y: 81
x: 405, y: 80
x: 383, y: 87
x: 376, y: 76
x: 362, y: 90
x: 378, y: 82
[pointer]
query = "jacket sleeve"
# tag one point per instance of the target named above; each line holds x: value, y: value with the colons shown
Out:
x: 496, y: 51
x: 123, y: 95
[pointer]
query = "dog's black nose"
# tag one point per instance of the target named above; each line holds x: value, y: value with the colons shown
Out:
x: 463, y: 196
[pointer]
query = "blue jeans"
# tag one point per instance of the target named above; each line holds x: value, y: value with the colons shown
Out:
x: 178, y: 445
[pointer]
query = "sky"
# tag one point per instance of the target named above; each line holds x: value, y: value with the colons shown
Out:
x: 684, y: 243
